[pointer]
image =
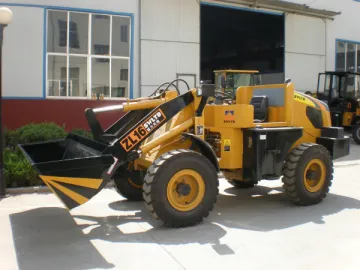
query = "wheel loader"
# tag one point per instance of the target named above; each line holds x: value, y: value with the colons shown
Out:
x: 168, y: 149
x: 341, y: 91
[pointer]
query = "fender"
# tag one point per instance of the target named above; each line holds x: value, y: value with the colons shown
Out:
x: 205, y: 149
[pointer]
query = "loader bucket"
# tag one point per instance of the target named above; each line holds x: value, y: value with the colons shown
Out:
x: 72, y: 168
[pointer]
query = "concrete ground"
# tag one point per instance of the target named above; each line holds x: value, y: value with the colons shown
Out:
x: 249, y: 229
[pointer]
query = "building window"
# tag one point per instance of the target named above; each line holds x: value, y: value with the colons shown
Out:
x: 87, y: 54
x: 102, y: 17
x: 73, y: 34
x: 62, y: 33
x: 347, y: 56
x: 124, y: 33
x: 124, y: 74
x: 100, y: 49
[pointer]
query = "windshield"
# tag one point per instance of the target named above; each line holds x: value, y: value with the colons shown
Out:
x: 353, y: 86
x: 218, y: 80
x: 235, y: 80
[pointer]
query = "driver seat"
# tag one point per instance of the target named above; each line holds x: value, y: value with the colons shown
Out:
x: 261, y: 105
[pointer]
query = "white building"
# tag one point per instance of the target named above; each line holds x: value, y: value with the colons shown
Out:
x: 65, y: 51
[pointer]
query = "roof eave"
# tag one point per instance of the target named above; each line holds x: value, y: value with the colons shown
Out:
x: 287, y: 7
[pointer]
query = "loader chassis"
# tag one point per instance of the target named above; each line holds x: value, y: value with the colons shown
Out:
x: 265, y: 151
x: 177, y: 143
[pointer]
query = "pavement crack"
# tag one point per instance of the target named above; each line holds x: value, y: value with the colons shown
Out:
x: 167, y: 251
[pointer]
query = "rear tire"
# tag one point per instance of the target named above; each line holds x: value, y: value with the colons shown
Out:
x: 356, y: 133
x: 181, y: 188
x: 241, y: 184
x: 308, y: 174
x: 129, y: 184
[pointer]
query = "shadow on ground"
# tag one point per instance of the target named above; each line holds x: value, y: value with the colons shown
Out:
x: 49, y: 238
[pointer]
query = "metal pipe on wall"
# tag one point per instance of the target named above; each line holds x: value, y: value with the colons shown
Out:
x: 140, y: 62
x: 325, y: 22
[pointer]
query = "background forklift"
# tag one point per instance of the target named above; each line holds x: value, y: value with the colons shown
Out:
x: 340, y: 90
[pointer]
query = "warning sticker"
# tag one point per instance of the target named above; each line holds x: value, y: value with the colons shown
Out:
x: 199, y: 130
x: 227, y: 145
x: 229, y: 117
x: 304, y: 100
x: 141, y: 131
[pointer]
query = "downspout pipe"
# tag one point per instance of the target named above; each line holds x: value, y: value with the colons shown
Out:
x: 140, y: 60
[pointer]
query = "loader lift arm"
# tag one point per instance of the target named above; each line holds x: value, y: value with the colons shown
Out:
x: 126, y: 147
x: 131, y: 140
x: 136, y: 110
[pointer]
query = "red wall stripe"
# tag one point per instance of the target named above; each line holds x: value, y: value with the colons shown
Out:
x: 70, y: 113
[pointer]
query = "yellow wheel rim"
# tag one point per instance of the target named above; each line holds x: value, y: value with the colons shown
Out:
x: 186, y: 190
x: 314, y: 175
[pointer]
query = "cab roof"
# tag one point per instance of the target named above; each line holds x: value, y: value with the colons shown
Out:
x: 236, y: 71
x: 341, y: 73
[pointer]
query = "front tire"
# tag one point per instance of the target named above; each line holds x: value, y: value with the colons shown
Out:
x: 308, y: 174
x: 181, y: 188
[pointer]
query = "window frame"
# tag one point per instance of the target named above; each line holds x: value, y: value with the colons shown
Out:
x: 89, y: 56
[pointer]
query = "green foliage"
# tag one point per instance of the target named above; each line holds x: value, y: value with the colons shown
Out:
x: 11, y: 138
x: 40, y: 132
x: 18, y: 171
x: 82, y: 132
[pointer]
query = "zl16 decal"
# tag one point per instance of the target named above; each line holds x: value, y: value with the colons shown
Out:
x: 141, y: 131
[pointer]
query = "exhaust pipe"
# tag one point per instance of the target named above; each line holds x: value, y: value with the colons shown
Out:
x: 109, y: 108
x: 130, y: 106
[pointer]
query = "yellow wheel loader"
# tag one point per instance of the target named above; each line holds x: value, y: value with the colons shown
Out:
x: 341, y: 91
x: 168, y: 149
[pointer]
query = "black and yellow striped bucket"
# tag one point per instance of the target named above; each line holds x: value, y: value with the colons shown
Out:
x: 75, y: 169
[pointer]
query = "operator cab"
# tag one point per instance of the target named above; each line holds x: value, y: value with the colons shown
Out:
x: 333, y: 86
x: 228, y: 81
x: 340, y: 90
x: 268, y: 102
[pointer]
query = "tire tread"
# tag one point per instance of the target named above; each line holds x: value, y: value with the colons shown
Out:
x: 150, y: 202
x: 289, y: 174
